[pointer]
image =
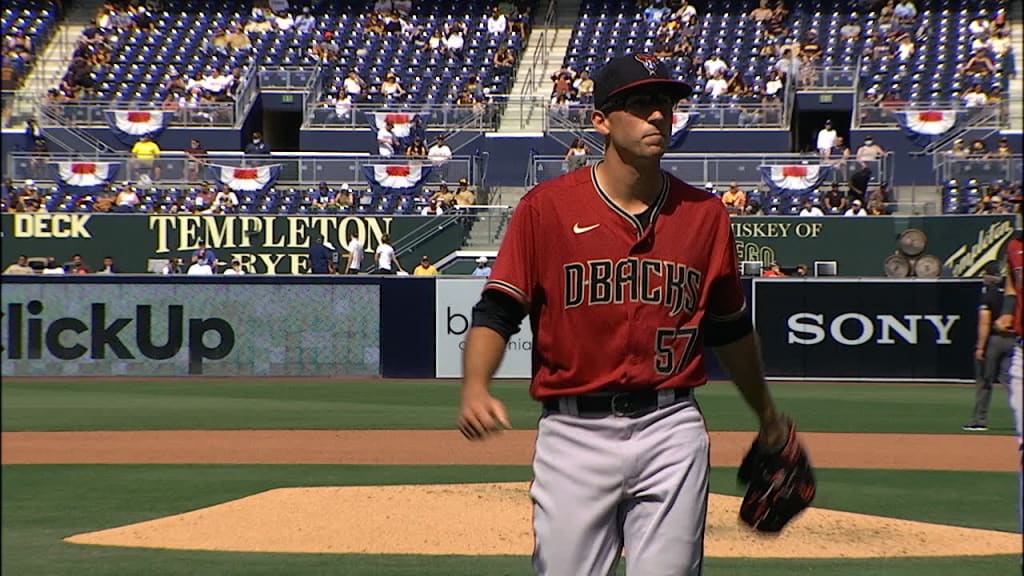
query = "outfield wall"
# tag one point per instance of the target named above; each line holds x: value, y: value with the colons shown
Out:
x: 273, y: 244
x: 408, y: 327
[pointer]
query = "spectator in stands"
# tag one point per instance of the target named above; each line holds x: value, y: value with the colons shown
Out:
x: 454, y: 42
x: 974, y: 97
x: 482, y: 270
x: 174, y: 265
x: 876, y: 202
x: 811, y: 48
x: 979, y: 64
x: 576, y: 155
x: 761, y: 13
x: 225, y: 201
x: 77, y: 265
x: 386, y: 139
x: 715, y: 65
x: 443, y: 195
x: 354, y: 256
x: 504, y: 60
x: 204, y: 254
x: 32, y: 133
x: 145, y: 153
x: 52, y: 268
x: 978, y: 149
x: 979, y: 26
x: 353, y: 85
x: 195, y: 160
x: 127, y: 200
x: 416, y: 148
x: 257, y: 147
x: 342, y: 200
x: 959, y: 149
x: 1003, y: 148
x: 39, y: 159
x: 838, y: 156
x: 859, y: 179
x: 464, y: 196
x: 716, y: 86
x: 773, y: 271
x: 143, y: 20
x: 856, y: 209
x: 905, y: 13
x: 384, y: 257
x: 284, y: 21
x: 773, y: 85
x: 258, y: 24
x: 20, y: 266
x: 825, y: 140
x: 424, y: 268
x: 810, y: 209
x: 999, y: 43
x: 834, y: 200
x: 851, y: 30
x: 305, y: 22
x: 734, y: 199
x: 321, y: 257
x: 390, y: 87
x: 497, y: 23
x: 235, y: 269
x: 439, y: 154
x: 870, y: 151
x: 108, y: 266
x: 905, y: 48
x: 199, y: 267
x: 237, y: 39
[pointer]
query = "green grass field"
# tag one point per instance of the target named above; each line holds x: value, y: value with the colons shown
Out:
x: 42, y: 504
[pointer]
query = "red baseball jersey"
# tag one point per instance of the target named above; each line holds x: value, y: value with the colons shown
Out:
x: 611, y: 304
x: 1015, y: 260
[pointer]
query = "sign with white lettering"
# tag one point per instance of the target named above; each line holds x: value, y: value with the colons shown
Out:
x: 863, y: 329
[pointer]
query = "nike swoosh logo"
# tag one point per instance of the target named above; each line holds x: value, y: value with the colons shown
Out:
x: 581, y: 229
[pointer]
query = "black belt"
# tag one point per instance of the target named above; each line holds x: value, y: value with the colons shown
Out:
x: 628, y: 404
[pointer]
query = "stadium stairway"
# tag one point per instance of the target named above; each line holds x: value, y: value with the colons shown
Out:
x: 55, y: 59
x: 544, y: 56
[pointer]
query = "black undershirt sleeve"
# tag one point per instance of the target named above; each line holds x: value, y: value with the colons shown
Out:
x: 499, y: 312
x: 718, y: 333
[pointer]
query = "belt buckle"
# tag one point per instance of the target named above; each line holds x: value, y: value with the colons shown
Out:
x: 622, y: 405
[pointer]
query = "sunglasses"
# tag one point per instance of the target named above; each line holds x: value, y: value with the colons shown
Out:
x: 644, y: 101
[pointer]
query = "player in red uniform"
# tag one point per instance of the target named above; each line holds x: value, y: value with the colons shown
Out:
x: 625, y: 273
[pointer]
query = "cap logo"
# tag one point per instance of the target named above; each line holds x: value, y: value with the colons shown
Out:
x: 649, y: 62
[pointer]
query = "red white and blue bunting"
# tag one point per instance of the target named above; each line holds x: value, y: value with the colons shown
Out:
x: 405, y: 126
x: 402, y: 178
x: 681, y: 124
x: 924, y: 126
x: 246, y: 179
x: 84, y: 177
x: 129, y: 125
x: 794, y: 180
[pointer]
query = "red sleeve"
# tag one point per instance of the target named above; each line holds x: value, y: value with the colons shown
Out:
x: 726, y: 301
x: 514, y: 270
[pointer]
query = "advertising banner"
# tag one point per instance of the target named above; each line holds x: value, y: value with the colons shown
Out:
x: 455, y: 300
x: 860, y: 246
x: 264, y: 244
x: 867, y: 329
x: 174, y: 328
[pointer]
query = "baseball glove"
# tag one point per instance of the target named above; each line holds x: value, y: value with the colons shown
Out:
x: 780, y: 484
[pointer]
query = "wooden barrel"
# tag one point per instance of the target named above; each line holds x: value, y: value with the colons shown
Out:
x: 928, y: 266
x: 897, y: 266
x: 912, y: 242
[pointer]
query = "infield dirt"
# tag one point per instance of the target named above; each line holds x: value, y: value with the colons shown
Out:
x: 489, y: 518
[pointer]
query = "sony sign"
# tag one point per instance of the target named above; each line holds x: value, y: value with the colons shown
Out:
x: 855, y: 329
x: 875, y: 329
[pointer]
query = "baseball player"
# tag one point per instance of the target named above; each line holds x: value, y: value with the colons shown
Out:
x: 1011, y: 318
x: 625, y: 273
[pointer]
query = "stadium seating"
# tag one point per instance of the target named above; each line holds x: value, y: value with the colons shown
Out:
x: 608, y: 28
x: 37, y: 19
x: 144, y: 61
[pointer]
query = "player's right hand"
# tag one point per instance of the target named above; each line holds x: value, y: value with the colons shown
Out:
x: 979, y: 354
x: 482, y: 415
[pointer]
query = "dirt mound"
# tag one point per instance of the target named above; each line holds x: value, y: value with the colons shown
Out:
x: 489, y: 519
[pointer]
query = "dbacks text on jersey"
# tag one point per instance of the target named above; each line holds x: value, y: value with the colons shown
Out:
x: 661, y: 282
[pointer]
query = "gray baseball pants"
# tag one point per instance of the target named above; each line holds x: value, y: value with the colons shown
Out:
x: 996, y: 366
x: 610, y: 483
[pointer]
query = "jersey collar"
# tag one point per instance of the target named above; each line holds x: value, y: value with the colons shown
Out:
x: 659, y: 201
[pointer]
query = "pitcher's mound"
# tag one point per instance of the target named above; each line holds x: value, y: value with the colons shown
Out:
x: 486, y: 519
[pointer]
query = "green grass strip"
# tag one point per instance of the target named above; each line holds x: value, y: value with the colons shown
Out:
x: 428, y: 404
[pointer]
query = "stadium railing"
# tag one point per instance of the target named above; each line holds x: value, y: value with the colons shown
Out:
x: 829, y: 79
x: 883, y: 114
x: 304, y: 169
x: 1009, y: 169
x: 695, y: 168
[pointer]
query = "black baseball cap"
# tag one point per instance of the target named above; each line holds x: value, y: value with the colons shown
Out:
x: 632, y: 71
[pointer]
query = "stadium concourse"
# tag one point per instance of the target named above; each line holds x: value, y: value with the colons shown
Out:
x: 800, y: 107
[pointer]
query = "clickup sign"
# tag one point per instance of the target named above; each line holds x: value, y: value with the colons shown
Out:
x: 31, y: 336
